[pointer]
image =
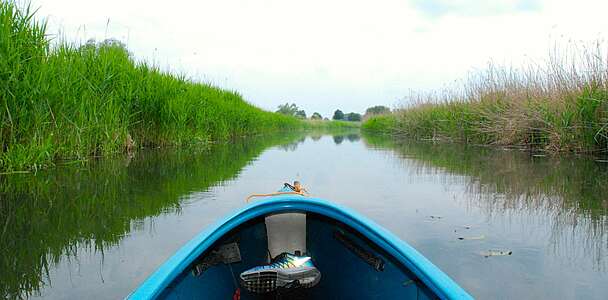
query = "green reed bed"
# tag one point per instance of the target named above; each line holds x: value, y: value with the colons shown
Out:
x: 330, y: 125
x: 562, y: 106
x: 64, y: 101
x: 380, y: 123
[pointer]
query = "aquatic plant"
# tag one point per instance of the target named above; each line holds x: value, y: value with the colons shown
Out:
x: 62, y: 101
x: 381, y: 123
x: 333, y: 124
x: 561, y: 106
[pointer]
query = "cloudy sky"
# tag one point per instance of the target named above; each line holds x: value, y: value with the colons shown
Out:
x: 328, y: 54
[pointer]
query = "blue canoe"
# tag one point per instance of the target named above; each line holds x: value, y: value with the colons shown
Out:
x: 358, y: 259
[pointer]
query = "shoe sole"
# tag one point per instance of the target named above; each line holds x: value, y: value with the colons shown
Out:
x: 270, y: 280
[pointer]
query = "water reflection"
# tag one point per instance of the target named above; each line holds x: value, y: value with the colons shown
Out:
x: 316, y: 137
x: 351, y: 137
x: 47, y: 216
x: 338, y: 135
x: 293, y: 146
x: 569, y: 193
x: 550, y: 212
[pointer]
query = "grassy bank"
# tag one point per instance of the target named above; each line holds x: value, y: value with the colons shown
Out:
x: 380, y: 124
x: 330, y: 125
x: 72, y: 102
x: 562, y: 106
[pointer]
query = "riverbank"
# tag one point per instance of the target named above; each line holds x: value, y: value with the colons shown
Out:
x: 68, y: 102
x: 560, y: 107
x: 331, y: 125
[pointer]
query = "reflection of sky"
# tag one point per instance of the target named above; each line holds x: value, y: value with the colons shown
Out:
x: 399, y: 193
x: 330, y: 54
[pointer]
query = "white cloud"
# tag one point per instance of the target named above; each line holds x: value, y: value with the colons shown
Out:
x: 438, y: 8
x: 328, y: 54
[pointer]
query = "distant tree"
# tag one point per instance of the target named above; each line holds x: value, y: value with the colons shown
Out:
x: 377, y: 110
x: 301, y: 114
x: 338, y: 115
x: 111, y: 43
x: 90, y: 44
x: 354, y: 117
x: 288, y: 109
x: 316, y: 116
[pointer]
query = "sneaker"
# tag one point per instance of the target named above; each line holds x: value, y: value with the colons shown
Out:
x: 286, y: 271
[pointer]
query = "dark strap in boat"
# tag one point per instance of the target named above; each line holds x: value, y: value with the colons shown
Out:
x: 293, y: 188
x: 226, y: 253
x: 376, y: 262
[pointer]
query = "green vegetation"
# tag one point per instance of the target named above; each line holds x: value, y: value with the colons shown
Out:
x: 338, y: 115
x: 559, y: 107
x: 67, y: 102
x: 352, y: 117
x: 326, y: 124
x: 289, y: 109
x: 50, y: 214
x: 380, y: 124
x: 377, y: 110
x: 292, y: 110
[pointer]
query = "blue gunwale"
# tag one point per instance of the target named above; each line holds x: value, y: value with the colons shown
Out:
x: 440, y: 283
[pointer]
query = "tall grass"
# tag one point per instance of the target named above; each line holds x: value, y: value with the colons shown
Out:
x: 380, y: 123
x: 333, y: 124
x: 559, y: 106
x: 73, y: 102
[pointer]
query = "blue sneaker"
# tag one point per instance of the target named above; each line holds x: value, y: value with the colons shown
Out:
x: 286, y: 271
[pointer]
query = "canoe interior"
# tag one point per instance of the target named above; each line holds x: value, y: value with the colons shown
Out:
x: 352, y: 267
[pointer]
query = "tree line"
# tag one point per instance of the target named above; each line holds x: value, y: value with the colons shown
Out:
x: 291, y: 109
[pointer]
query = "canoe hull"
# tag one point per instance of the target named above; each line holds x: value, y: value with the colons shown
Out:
x: 357, y: 258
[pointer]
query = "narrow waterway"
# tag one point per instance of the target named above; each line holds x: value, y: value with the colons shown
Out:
x: 98, y: 230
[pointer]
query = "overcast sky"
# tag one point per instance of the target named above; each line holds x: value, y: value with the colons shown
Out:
x: 328, y: 54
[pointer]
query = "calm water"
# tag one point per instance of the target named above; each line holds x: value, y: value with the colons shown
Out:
x: 97, y: 231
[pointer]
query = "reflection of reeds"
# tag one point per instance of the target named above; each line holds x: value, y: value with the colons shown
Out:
x: 571, y: 193
x: 290, y: 147
x: 561, y: 106
x: 48, y: 216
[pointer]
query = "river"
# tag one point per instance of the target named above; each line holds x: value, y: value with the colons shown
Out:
x: 97, y: 230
